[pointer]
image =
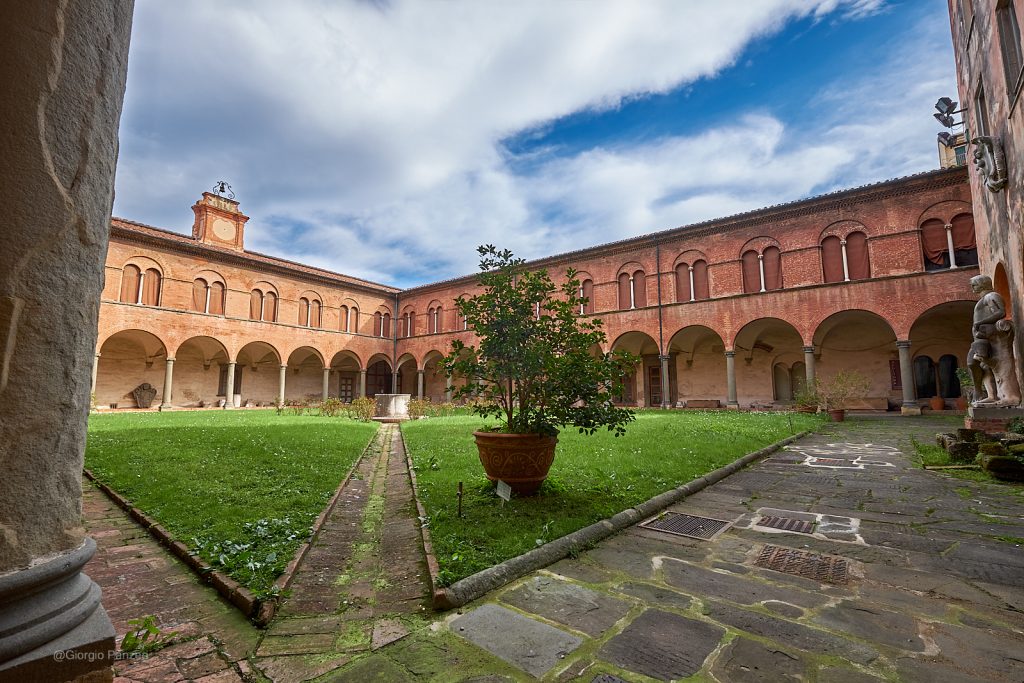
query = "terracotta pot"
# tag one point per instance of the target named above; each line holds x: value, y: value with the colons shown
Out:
x: 961, y: 403
x: 937, y: 403
x: 520, y: 460
x: 837, y: 415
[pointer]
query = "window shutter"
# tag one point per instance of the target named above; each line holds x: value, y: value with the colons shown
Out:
x: 751, y: 272
x: 701, y: 288
x: 683, y: 282
x: 772, y: 268
x: 130, y: 284
x: 857, y: 256
x: 832, y: 259
x: 151, y: 287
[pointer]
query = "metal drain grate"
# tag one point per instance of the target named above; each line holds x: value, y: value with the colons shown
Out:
x: 704, y: 528
x: 830, y: 461
x: 786, y: 524
x: 809, y: 565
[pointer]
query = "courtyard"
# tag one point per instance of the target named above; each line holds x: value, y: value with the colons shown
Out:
x: 920, y: 579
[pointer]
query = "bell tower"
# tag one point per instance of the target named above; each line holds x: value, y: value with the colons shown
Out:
x: 218, y: 220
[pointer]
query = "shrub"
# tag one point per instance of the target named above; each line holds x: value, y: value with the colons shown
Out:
x: 363, y: 408
x: 418, y: 407
x: 332, y: 407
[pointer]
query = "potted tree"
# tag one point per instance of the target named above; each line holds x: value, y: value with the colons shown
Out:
x: 806, y: 399
x: 534, y: 368
x: 837, y: 392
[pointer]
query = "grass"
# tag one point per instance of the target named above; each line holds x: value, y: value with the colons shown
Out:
x: 242, y: 488
x: 592, y: 477
x: 933, y: 455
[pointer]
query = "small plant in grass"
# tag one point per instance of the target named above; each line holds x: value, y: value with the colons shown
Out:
x: 332, y: 407
x: 363, y: 408
x: 806, y: 398
x: 145, y: 636
x: 418, y: 407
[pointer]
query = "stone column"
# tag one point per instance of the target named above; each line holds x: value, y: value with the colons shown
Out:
x: 846, y: 261
x: 448, y: 389
x: 419, y: 384
x: 362, y: 384
x: 63, y: 66
x: 641, y: 386
x: 665, y: 399
x: 910, y: 406
x: 730, y: 379
x: 229, y: 404
x: 394, y: 382
x: 165, y: 401
x: 809, y: 365
x: 327, y: 383
x: 95, y: 372
x: 281, y: 379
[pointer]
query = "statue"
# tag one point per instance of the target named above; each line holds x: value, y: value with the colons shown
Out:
x: 990, y: 159
x: 990, y: 358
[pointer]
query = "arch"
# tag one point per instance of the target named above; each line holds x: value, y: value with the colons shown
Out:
x: 782, y: 382
x: 858, y: 259
x: 305, y: 375
x: 141, y: 281
x: 832, y: 259
x: 343, y: 318
x: 843, y: 324
x: 435, y: 384
x: 378, y: 357
x: 258, y: 352
x: 461, y: 324
x: 344, y: 378
x: 346, y: 358
x: 761, y: 331
x: 210, y: 347
x: 406, y: 358
x: 127, y: 359
x: 642, y: 387
x: 263, y: 302
x: 759, y: 346
x: 130, y: 277
x: 943, y: 329
x: 379, y: 376
x: 407, y: 377
x: 302, y: 354
x: 257, y: 374
x: 435, y: 323
x: 200, y: 372
x: 751, y: 272
x: 683, y: 276
x: 208, y: 292
x: 1001, y: 284
x: 697, y: 359
x: 944, y: 211
x: 310, y: 309
x: 858, y: 339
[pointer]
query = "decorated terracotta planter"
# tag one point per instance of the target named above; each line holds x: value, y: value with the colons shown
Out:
x: 937, y: 403
x: 837, y: 415
x: 520, y: 460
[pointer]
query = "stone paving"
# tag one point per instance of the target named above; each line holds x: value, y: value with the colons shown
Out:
x: 932, y: 588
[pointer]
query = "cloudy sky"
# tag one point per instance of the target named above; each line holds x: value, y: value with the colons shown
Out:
x: 387, y: 138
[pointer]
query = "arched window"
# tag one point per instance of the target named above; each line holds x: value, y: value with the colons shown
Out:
x: 437, y: 319
x: 353, y: 317
x: 587, y: 292
x: 217, y: 292
x: 639, y: 289
x: 684, y: 277
x: 751, y: 272
x: 130, y: 277
x: 256, y: 305
x: 343, y: 319
x: 314, y: 313
x: 386, y: 325
x: 304, y: 312
x: 200, y: 295
x: 965, y: 246
x: 625, y: 291
x: 269, y: 313
x: 858, y: 261
x: 378, y: 321
x: 701, y: 288
x: 843, y: 260
x: 772, y: 268
x: 150, y: 288
x: 410, y: 323
x: 924, y: 377
x: 832, y: 259
x: 951, y: 245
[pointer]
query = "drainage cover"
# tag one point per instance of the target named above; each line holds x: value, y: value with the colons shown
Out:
x: 704, y: 528
x: 809, y: 565
x: 786, y: 524
x: 830, y: 461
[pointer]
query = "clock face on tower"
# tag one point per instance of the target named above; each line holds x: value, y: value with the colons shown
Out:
x: 223, y: 229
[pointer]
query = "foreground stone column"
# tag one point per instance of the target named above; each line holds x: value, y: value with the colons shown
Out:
x: 910, y: 406
x: 63, y: 66
x: 730, y: 378
x: 362, y: 384
x: 327, y: 383
x: 665, y: 402
x: 281, y: 378
x: 419, y: 384
x: 229, y: 404
x: 165, y: 403
x: 809, y: 366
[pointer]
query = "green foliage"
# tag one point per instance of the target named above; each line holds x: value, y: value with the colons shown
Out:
x: 807, y: 397
x: 332, y: 407
x: 843, y: 387
x: 418, y: 407
x: 592, y: 478
x: 144, y: 636
x: 363, y: 408
x: 258, y: 555
x: 534, y: 368
x: 1016, y: 425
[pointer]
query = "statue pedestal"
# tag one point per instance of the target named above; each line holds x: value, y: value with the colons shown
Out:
x: 991, y: 419
x: 392, y: 407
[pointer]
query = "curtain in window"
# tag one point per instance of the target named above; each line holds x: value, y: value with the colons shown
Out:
x: 751, y: 272
x: 151, y: 287
x: 343, y: 321
x: 772, y: 268
x: 255, y: 299
x: 857, y: 256
x: 411, y: 326
x: 588, y: 294
x: 217, y: 298
x: 701, y: 288
x: 832, y: 259
x: 387, y: 325
x: 924, y: 377
x: 624, y: 300
x: 130, y: 285
x: 377, y: 329
x: 314, y: 313
x: 933, y: 241
x: 199, y: 295
x: 683, y: 282
x: 270, y: 307
x: 639, y: 289
x: 304, y: 311
x: 963, y: 232
x: 353, y: 320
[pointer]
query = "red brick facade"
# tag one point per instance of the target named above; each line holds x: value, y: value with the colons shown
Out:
x: 771, y: 333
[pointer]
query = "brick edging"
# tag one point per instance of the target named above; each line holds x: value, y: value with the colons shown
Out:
x: 252, y: 607
x: 474, y: 586
x: 437, y: 593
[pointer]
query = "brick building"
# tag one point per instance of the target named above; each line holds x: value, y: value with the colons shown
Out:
x: 737, y: 311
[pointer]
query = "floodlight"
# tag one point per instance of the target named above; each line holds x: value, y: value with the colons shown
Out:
x: 945, y: 106
x: 945, y: 119
x: 947, y: 140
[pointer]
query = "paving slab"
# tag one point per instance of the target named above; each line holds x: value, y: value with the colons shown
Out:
x: 567, y: 603
x: 747, y: 661
x: 530, y: 645
x: 663, y: 645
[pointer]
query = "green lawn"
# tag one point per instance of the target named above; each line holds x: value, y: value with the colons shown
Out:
x: 592, y: 477
x: 241, y: 487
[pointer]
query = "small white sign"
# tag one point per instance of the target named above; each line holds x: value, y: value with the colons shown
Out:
x: 504, y: 491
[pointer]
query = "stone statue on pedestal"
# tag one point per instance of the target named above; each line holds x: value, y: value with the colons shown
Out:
x: 990, y: 359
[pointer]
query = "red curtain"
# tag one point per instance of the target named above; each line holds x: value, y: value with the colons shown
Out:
x: 387, y: 325
x: 701, y: 288
x: 624, y: 300
x: 683, y: 282
x: 412, y: 324
x: 963, y: 232
x: 304, y: 311
x: 130, y: 285
x: 217, y: 298
x: 151, y: 287
x: 314, y: 313
x: 832, y: 259
x: 639, y: 289
x: 751, y: 272
x: 772, y: 268
x: 255, y: 299
x: 933, y: 240
x: 343, y: 320
x: 377, y: 329
x: 857, y: 256
x: 199, y: 295
x: 270, y: 307
x: 588, y: 294
x: 353, y: 320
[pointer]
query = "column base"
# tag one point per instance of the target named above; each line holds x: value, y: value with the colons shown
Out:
x: 911, y: 410
x: 733, y: 406
x: 165, y: 406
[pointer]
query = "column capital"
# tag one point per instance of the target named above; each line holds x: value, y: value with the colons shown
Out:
x: 903, y: 343
x: 665, y: 358
x: 760, y: 257
x: 170, y: 360
x: 232, y: 362
x: 420, y: 372
x: 809, y: 348
x: 284, y: 365
x: 730, y: 354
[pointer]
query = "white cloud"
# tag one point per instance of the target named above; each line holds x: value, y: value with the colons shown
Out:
x: 376, y: 126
